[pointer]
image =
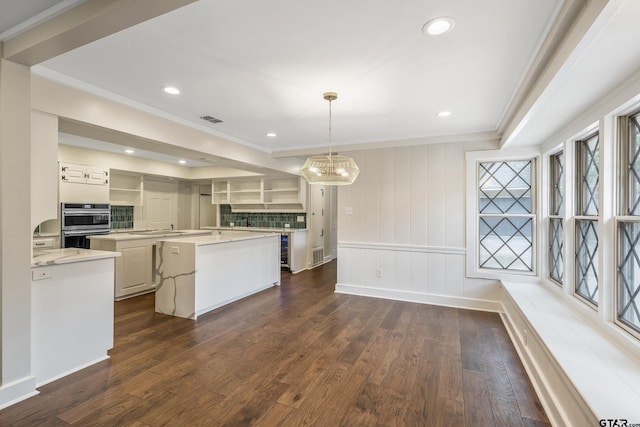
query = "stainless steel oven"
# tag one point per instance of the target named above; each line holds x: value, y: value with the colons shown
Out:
x: 79, y: 220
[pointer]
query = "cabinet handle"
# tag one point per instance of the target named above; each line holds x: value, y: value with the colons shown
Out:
x: 322, y: 233
x: 64, y: 178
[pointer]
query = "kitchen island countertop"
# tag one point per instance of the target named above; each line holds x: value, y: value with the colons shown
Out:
x: 43, y: 257
x: 148, y: 234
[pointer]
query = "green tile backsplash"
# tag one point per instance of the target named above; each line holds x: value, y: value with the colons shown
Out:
x: 260, y: 219
x: 121, y: 217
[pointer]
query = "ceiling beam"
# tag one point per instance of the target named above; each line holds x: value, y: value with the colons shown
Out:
x: 83, y: 24
x: 575, y: 22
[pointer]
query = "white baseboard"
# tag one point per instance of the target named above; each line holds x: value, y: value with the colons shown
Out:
x: 17, y: 391
x: 422, y: 298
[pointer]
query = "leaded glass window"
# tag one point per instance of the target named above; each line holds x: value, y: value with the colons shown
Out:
x: 628, y: 304
x: 588, y: 198
x: 556, y: 236
x: 506, y: 215
x: 628, y: 259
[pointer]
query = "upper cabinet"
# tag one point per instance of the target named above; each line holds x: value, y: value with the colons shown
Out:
x: 125, y: 189
x: 83, y: 174
x: 83, y: 183
x: 275, y: 194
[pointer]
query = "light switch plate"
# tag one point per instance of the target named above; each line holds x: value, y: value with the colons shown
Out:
x: 300, y: 218
x: 348, y: 211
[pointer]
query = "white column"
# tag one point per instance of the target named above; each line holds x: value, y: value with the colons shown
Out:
x: 16, y: 380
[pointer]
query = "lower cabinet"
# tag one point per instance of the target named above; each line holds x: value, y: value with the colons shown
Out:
x: 134, y: 277
x: 133, y: 268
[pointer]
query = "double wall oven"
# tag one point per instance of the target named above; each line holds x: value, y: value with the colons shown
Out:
x: 79, y: 220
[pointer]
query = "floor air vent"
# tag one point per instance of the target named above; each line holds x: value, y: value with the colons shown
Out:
x: 318, y: 255
x: 211, y: 119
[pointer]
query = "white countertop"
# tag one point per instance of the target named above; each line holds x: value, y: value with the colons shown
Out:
x: 43, y: 257
x: 137, y: 235
x: 259, y: 229
x: 220, y: 238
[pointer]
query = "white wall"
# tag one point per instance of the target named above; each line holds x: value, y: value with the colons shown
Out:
x: 405, y: 237
x: 16, y: 381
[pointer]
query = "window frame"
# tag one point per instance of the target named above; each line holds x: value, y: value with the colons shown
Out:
x: 582, y: 216
x: 473, y: 159
x: 623, y: 214
x: 556, y: 213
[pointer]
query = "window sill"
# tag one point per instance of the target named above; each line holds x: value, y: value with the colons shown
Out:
x: 581, y: 373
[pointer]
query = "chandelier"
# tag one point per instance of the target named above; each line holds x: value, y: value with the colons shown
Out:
x: 330, y: 169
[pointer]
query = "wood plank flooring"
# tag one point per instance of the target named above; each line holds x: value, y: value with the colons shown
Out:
x: 296, y: 355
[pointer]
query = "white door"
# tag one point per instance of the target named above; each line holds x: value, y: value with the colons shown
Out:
x: 207, y: 211
x: 316, y: 220
x: 160, y: 204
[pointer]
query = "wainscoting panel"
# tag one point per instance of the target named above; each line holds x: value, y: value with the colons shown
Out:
x: 412, y: 273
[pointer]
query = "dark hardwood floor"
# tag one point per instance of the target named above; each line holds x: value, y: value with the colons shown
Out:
x: 296, y: 355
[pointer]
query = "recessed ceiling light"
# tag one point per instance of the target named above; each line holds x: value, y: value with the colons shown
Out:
x: 438, y: 26
x: 444, y: 113
x: 272, y: 135
x: 172, y: 90
x: 182, y: 162
x: 129, y: 151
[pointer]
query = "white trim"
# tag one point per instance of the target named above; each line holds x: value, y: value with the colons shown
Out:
x: 473, y: 158
x: 71, y: 371
x: 17, y: 391
x: 577, y: 367
x: 40, y: 18
x: 403, y: 248
x: 422, y: 298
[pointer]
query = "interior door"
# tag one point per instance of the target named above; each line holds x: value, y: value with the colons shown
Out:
x: 316, y: 220
x: 207, y: 211
x: 160, y: 204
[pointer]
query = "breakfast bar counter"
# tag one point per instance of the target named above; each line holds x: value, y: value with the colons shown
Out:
x: 199, y: 274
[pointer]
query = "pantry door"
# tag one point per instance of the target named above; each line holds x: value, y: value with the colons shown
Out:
x: 160, y: 204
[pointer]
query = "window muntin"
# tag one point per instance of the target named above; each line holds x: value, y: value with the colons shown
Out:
x: 505, y: 215
x: 633, y: 141
x: 586, y: 231
x: 556, y: 224
x: 628, y: 226
x: 628, y: 301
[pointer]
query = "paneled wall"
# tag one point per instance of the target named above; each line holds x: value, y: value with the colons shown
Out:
x: 401, y: 227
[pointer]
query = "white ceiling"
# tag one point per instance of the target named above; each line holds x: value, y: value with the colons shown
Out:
x: 18, y: 16
x: 263, y: 67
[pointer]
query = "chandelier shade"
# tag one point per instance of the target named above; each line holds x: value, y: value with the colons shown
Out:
x: 330, y: 169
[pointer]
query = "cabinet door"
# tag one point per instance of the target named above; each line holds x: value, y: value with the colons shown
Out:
x: 136, y: 264
x: 97, y: 176
x: 72, y: 173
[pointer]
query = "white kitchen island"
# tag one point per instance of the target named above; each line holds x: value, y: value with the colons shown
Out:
x: 199, y: 274
x: 71, y: 310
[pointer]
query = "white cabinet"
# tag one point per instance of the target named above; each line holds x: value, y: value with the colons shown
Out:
x: 83, y: 174
x: 220, y: 192
x: 135, y: 278
x: 71, y: 317
x: 125, y: 189
x: 275, y: 194
x: 83, y: 183
x: 135, y: 268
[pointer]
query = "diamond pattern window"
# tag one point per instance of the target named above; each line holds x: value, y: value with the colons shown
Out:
x: 586, y: 233
x: 628, y: 226
x: 556, y: 224
x: 506, y: 215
